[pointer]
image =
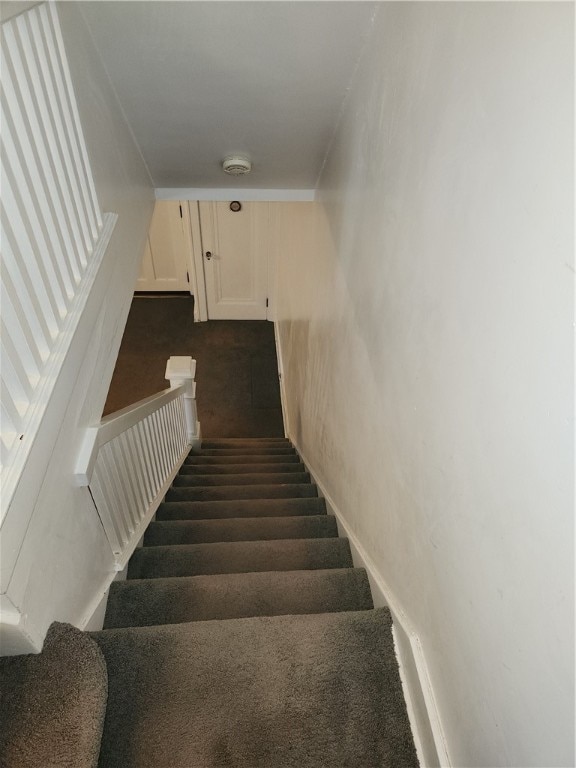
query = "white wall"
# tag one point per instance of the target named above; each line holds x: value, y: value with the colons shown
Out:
x: 65, y: 558
x: 426, y: 313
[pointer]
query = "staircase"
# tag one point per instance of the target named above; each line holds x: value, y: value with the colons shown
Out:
x: 243, y: 636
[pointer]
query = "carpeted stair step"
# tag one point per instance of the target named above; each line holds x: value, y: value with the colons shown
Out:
x: 264, y: 450
x: 215, y: 493
x: 239, y: 557
x: 246, y: 442
x: 253, y: 478
x: 205, y: 510
x: 320, y: 691
x: 199, y: 459
x: 144, y: 602
x: 240, y: 529
x: 240, y: 469
x: 53, y: 703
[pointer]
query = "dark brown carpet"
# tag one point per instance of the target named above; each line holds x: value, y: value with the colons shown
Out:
x: 144, y: 602
x: 165, y: 532
x: 202, y: 510
x: 187, y: 480
x: 239, y: 557
x: 237, y: 376
x: 314, y: 691
x: 216, y: 493
x: 52, y: 704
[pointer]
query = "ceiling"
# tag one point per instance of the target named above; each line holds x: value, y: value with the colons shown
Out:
x: 200, y: 80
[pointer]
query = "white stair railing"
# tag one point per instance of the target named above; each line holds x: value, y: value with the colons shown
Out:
x: 130, y: 459
x: 53, y: 233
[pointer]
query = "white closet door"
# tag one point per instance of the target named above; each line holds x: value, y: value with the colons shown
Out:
x: 166, y: 259
x: 235, y: 254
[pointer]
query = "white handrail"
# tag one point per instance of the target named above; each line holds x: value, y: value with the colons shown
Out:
x: 130, y: 459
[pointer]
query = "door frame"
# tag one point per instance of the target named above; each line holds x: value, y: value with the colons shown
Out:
x: 196, y: 265
x: 197, y: 261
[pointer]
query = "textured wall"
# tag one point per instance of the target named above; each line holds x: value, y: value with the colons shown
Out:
x: 425, y: 311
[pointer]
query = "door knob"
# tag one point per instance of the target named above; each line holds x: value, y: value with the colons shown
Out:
x: 208, y: 255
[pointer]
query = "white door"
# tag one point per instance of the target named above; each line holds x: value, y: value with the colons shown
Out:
x: 165, y: 265
x: 235, y: 255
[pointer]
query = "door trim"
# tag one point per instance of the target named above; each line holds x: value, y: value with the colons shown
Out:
x: 197, y: 262
x: 244, y: 195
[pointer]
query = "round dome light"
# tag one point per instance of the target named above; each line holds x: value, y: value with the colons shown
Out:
x: 236, y: 165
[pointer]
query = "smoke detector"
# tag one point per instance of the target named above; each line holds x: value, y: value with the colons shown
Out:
x: 236, y: 165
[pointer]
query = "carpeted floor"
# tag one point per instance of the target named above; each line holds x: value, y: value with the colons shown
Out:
x: 306, y: 691
x: 237, y: 391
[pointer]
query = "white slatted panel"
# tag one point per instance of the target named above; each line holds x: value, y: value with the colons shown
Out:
x: 50, y: 220
x: 133, y: 467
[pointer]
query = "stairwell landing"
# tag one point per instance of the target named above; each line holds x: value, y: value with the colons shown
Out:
x: 243, y: 637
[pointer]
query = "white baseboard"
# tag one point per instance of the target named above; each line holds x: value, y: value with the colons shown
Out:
x: 421, y: 704
x: 95, y: 622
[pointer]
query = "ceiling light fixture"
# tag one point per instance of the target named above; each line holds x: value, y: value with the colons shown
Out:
x: 236, y: 165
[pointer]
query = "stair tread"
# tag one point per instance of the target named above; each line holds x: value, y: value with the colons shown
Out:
x: 221, y: 510
x: 164, y: 532
x: 229, y: 692
x: 144, y: 602
x: 270, y: 451
x: 211, y: 469
x: 254, y: 478
x: 231, y: 492
x: 198, y: 459
x: 239, y: 557
x: 216, y: 442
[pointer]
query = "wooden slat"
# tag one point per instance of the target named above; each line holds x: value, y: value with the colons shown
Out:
x: 151, y: 466
x: 116, y: 479
x: 144, y: 460
x: 129, y: 479
x: 9, y: 434
x: 10, y: 409
x: 182, y: 422
x: 163, y: 440
x: 172, y: 433
x: 46, y: 237
x: 39, y: 272
x: 51, y: 171
x: 18, y: 282
x: 49, y: 18
x: 110, y: 491
x: 21, y: 342
x: 52, y: 226
x: 105, y: 512
x: 16, y: 385
x: 51, y: 151
x: 22, y: 147
x: 140, y: 483
x: 51, y: 95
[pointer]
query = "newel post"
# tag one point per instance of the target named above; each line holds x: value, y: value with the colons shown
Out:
x: 181, y: 370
